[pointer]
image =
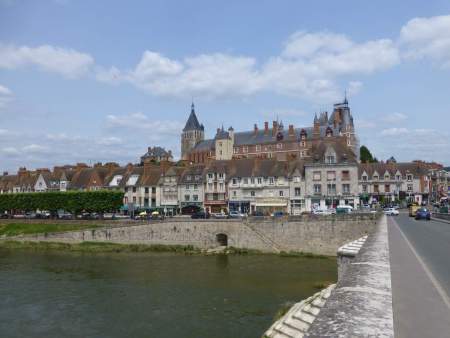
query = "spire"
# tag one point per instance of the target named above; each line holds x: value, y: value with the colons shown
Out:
x: 345, y: 97
x: 192, y: 122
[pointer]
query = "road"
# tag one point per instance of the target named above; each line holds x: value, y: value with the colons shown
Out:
x: 420, y: 272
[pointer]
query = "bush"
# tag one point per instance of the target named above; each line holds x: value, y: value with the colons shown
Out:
x: 74, y: 201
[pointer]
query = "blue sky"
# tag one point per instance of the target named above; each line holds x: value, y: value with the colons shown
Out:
x: 102, y: 80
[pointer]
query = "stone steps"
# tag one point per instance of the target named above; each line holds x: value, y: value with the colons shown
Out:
x: 296, y: 322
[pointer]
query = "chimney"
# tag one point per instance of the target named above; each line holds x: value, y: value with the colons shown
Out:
x: 274, y: 128
x: 266, y: 128
x: 255, y: 129
x: 291, y: 131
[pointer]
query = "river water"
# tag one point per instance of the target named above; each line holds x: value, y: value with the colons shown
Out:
x: 159, y: 295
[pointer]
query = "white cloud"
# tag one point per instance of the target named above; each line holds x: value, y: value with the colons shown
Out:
x: 427, y: 38
x: 309, y: 67
x: 395, y: 117
x: 6, y: 96
x: 364, y: 124
x: 394, y: 131
x: 67, y: 62
x: 35, y: 149
x: 110, y: 141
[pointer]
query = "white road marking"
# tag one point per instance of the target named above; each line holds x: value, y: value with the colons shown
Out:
x: 430, y: 275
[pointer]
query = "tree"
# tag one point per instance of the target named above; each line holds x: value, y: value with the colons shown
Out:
x: 366, y: 156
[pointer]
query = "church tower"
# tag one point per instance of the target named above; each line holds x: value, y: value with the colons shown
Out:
x: 193, y: 133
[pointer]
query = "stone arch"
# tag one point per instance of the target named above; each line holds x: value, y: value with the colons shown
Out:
x: 222, y: 239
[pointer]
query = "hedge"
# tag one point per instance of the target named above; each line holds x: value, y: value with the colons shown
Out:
x: 73, y: 201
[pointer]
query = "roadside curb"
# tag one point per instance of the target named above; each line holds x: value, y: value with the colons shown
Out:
x: 440, y: 220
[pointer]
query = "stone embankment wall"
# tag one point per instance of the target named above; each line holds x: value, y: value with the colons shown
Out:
x: 316, y: 235
x: 359, y: 305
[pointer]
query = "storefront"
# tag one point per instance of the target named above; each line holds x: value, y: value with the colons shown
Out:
x: 240, y: 206
x: 269, y: 205
x: 216, y: 206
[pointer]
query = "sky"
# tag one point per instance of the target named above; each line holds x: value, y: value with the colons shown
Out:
x: 97, y: 81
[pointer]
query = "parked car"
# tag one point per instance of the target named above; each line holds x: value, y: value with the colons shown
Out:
x: 423, y: 213
x: 278, y: 214
x: 65, y: 215
x: 43, y: 215
x: 344, y: 209
x: 4, y: 216
x: 258, y: 214
x: 30, y: 215
x: 391, y: 212
x: 236, y: 214
x: 219, y: 215
x: 200, y: 215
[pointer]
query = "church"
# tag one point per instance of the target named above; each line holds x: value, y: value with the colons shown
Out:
x: 271, y: 141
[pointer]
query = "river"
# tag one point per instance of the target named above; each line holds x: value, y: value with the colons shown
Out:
x: 159, y: 295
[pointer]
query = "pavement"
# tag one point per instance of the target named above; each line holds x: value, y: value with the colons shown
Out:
x: 420, y: 274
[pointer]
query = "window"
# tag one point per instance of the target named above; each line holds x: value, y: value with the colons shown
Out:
x: 387, y: 177
x: 186, y: 197
x: 331, y: 175
x: 188, y: 177
x: 279, y: 146
x: 409, y: 177
x: 281, y: 193
x: 210, y: 186
x: 346, y: 188
x: 303, y: 153
x: 364, y: 178
x: 234, y: 181
x: 269, y: 155
x: 317, y: 189
x: 126, y: 189
x: 146, y: 190
x: 246, y: 180
x: 302, y: 144
x: 236, y: 150
x: 252, y: 180
x: 398, y: 177
x: 330, y: 159
x: 317, y: 176
x: 331, y: 189
x: 221, y: 175
x: 234, y: 193
x: 134, y: 199
x: 187, y: 187
x: 258, y: 147
x: 134, y: 189
x: 245, y: 149
x: 410, y: 187
x: 259, y: 180
x: 210, y: 175
x: 345, y: 175
x: 252, y: 193
x: 221, y: 186
x: 375, y: 188
x: 195, y: 197
x: 195, y: 186
x: 297, y: 179
x: 375, y: 177
x: 271, y: 180
x: 364, y: 188
x: 297, y: 191
x: 153, y: 190
x: 387, y: 188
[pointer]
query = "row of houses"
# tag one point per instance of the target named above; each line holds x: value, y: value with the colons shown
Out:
x: 332, y: 177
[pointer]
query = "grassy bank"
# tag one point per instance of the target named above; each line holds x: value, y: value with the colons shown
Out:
x: 106, y: 247
x: 96, y: 247
x: 15, y: 229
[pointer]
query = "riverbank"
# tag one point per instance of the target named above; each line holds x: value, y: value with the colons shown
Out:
x: 105, y: 247
x: 16, y: 229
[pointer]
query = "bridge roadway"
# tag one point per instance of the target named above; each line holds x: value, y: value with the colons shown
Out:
x: 420, y: 272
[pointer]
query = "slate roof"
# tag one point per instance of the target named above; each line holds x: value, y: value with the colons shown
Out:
x: 413, y: 168
x: 192, y: 122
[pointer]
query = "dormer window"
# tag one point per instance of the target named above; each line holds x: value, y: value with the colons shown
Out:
x: 364, y: 178
x: 375, y: 177
x: 330, y: 159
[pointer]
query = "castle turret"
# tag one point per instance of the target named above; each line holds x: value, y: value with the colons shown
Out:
x: 193, y: 133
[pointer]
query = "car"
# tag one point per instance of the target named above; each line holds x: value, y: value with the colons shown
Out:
x: 4, y: 216
x: 219, y: 215
x: 423, y: 213
x: 65, y: 215
x: 391, y: 212
x: 200, y: 215
x: 278, y: 214
x: 257, y: 214
x: 236, y: 214
x: 30, y: 215
x: 344, y: 209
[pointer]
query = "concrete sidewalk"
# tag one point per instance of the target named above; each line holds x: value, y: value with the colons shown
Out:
x: 421, y: 306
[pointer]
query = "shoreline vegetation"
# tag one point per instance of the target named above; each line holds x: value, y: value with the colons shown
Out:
x: 107, y: 247
x: 16, y: 229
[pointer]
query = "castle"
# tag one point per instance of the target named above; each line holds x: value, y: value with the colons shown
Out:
x: 271, y: 141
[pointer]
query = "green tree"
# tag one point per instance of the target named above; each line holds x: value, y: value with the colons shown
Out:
x: 366, y: 156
